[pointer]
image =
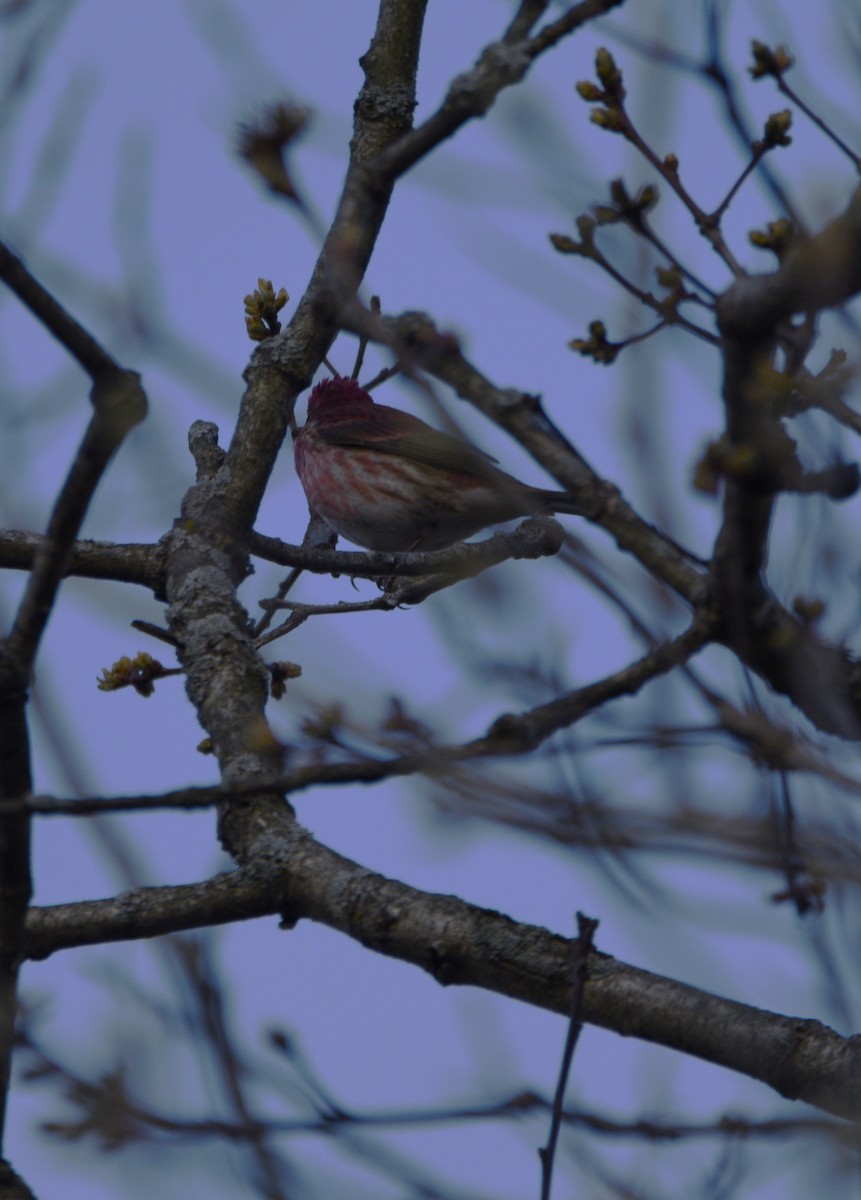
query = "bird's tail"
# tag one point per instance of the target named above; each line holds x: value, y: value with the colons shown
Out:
x: 560, y: 502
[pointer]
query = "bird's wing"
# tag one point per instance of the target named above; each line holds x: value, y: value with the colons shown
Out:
x: 409, y: 437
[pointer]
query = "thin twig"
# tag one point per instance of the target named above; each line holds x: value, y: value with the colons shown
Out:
x: 792, y: 95
x: 759, y: 152
x: 154, y: 631
x: 509, y: 734
x: 580, y: 951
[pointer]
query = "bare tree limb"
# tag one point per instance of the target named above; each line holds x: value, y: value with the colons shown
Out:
x: 12, y: 1186
x: 510, y: 734
x: 119, y: 404
x: 823, y: 680
x: 208, y: 553
x: 459, y: 943
x: 57, y: 320
x: 124, y: 562
x: 472, y: 93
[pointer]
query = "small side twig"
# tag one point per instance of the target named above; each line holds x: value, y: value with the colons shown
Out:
x: 581, y: 950
x: 318, y: 536
x: 154, y: 631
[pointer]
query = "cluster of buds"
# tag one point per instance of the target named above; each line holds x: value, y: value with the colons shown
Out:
x: 139, y: 672
x: 611, y: 93
x: 261, y: 310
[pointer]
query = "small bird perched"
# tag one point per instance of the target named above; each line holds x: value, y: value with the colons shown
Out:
x: 385, y: 480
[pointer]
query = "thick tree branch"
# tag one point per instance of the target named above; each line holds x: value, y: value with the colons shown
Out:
x: 500, y: 65
x: 823, y: 681
x: 208, y: 555
x: 459, y: 943
x: 281, y: 367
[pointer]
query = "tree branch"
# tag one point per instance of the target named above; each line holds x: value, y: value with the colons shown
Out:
x: 207, y: 559
x: 819, y: 272
x: 459, y: 943
x: 123, y: 562
x: 12, y: 1186
x: 84, y: 348
x: 527, y: 541
x: 119, y: 404
x: 510, y: 734
x: 824, y: 681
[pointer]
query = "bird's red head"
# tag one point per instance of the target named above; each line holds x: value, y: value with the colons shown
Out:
x: 331, y: 395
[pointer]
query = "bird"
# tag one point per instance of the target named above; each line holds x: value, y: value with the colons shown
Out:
x: 386, y: 480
